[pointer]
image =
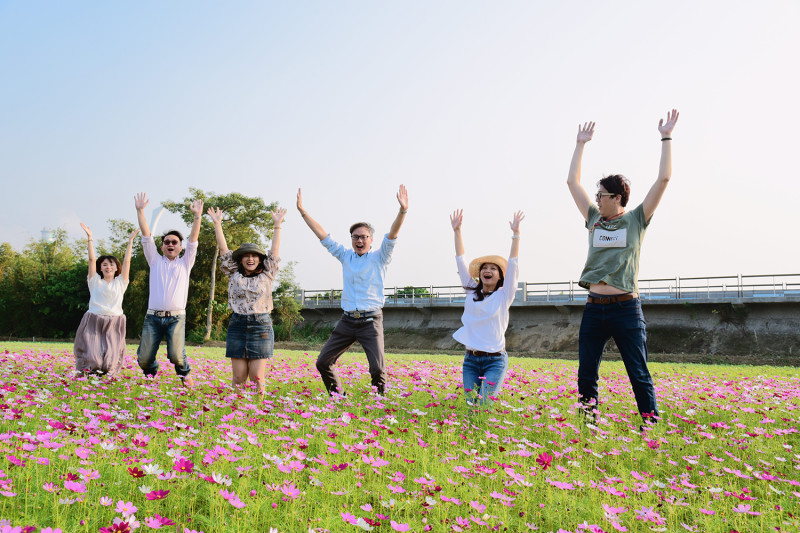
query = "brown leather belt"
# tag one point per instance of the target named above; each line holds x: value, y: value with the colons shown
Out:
x: 482, y: 354
x: 611, y: 299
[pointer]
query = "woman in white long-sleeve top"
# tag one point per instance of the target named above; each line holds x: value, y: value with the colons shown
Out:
x: 491, y: 284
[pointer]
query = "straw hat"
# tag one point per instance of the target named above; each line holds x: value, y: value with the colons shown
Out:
x: 248, y: 248
x: 475, y: 265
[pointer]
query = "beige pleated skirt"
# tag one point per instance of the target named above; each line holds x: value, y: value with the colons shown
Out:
x: 100, y: 344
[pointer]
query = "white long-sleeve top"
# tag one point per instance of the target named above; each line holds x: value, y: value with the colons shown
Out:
x: 485, y: 322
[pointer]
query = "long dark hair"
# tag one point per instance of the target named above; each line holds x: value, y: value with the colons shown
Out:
x: 479, y: 296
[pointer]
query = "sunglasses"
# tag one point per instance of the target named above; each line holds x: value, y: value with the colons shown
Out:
x: 167, y: 243
x: 601, y: 194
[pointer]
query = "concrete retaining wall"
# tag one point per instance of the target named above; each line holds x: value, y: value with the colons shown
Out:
x: 726, y: 328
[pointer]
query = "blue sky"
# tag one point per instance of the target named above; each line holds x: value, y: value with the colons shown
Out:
x: 470, y: 104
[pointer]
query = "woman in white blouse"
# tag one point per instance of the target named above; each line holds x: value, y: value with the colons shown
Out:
x: 100, y: 339
x: 250, y: 338
x: 491, y: 283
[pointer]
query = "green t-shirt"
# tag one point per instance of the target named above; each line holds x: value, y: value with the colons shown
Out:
x: 614, y: 249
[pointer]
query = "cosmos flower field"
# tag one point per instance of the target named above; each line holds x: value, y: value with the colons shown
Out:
x: 89, y: 454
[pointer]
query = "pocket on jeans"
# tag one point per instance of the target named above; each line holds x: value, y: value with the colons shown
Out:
x: 263, y: 319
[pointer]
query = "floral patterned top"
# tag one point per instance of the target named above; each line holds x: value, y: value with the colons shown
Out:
x: 250, y: 295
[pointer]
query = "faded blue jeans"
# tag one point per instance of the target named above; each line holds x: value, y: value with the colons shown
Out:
x: 171, y: 328
x: 483, y: 376
x: 624, y: 322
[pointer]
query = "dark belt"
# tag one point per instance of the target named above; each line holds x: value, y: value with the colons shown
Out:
x: 483, y: 354
x: 611, y: 299
x: 362, y: 314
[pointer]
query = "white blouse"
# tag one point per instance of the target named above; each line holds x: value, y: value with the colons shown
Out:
x: 105, y: 298
x: 485, y: 322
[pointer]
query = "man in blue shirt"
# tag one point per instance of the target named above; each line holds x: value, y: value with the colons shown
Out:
x: 363, y: 272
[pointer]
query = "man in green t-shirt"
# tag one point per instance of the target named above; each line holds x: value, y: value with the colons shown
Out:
x: 611, y: 274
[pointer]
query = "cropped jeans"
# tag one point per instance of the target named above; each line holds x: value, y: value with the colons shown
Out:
x: 483, y: 376
x: 156, y: 328
x: 624, y: 322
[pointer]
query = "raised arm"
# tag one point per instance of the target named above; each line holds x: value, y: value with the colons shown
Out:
x: 653, y: 197
x: 455, y: 220
x: 518, y: 217
x: 313, y: 224
x: 216, y: 218
x: 141, y: 202
x: 582, y: 199
x: 402, y: 199
x: 92, y: 258
x: 277, y: 222
x: 126, y: 261
x: 196, y: 208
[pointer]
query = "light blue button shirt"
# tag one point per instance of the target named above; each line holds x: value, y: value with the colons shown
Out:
x: 362, y: 275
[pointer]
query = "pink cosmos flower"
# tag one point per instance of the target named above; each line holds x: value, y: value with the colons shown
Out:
x: 74, y: 486
x: 105, y: 501
x: 544, y: 460
x: 126, y: 508
x: 135, y: 472
x: 184, y: 465
x: 400, y: 527
x: 157, y: 495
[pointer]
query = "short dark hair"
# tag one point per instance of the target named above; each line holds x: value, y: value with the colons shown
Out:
x: 362, y: 225
x: 617, y: 184
x: 110, y: 258
x: 172, y: 232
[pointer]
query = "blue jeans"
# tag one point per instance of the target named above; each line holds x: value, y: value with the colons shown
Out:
x: 483, y: 376
x: 171, y: 328
x: 624, y: 322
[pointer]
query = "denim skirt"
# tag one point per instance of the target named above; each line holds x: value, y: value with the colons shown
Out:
x: 250, y: 337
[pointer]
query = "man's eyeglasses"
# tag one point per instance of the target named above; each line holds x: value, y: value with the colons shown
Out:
x: 360, y: 237
x: 601, y: 194
x: 171, y: 242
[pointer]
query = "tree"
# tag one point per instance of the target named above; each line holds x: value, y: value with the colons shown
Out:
x: 247, y: 219
x: 286, y: 308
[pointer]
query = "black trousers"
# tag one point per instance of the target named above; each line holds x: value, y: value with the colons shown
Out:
x: 369, y: 333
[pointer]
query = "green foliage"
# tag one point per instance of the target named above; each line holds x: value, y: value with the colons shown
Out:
x: 286, y: 309
x: 408, y: 292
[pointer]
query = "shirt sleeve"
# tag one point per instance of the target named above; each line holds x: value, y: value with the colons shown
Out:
x: 227, y: 265
x: 639, y: 214
x: 271, y: 266
x: 335, y: 249
x: 463, y: 273
x: 511, y: 280
x: 123, y: 284
x: 149, y: 247
x: 191, y: 254
x: 387, y: 247
x: 592, y: 216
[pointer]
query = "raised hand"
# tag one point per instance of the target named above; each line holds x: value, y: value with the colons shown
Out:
x: 585, y: 132
x: 141, y: 201
x: 519, y: 216
x: 456, y: 219
x: 402, y: 197
x: 300, y: 200
x: 665, y: 128
x: 133, y: 234
x: 277, y: 216
x: 196, y: 207
x: 215, y: 214
x: 87, y: 230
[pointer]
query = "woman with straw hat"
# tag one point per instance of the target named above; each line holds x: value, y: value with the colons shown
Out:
x: 252, y: 272
x: 491, y: 284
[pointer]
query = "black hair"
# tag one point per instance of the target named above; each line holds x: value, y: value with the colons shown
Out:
x: 479, y: 296
x: 172, y: 232
x: 617, y: 184
x: 110, y: 258
x: 363, y: 225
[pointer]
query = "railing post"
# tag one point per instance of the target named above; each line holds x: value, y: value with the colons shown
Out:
x: 741, y: 289
x: 571, y: 292
x: 677, y: 287
x: 525, y: 291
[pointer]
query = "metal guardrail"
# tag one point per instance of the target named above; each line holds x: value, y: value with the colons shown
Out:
x: 662, y: 289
